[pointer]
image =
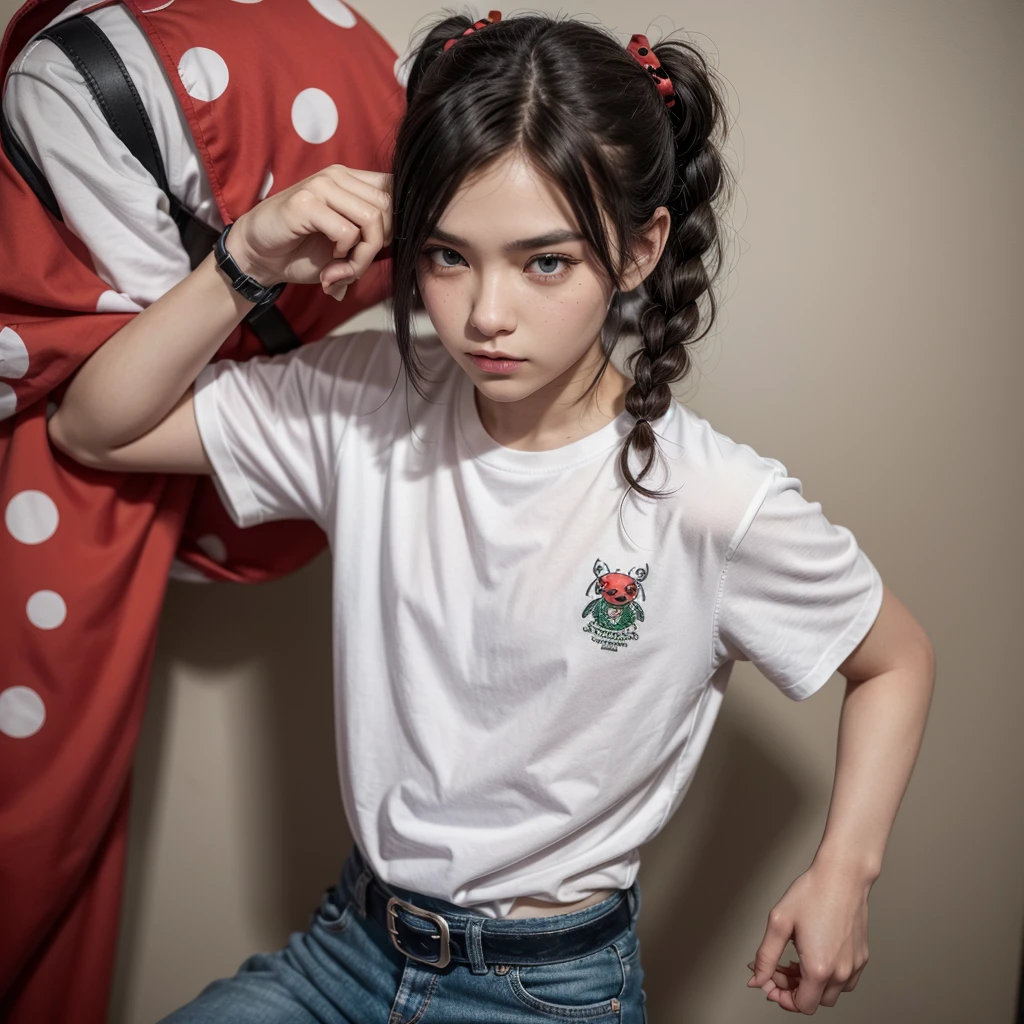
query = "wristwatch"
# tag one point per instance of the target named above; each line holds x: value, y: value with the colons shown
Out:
x: 249, y: 288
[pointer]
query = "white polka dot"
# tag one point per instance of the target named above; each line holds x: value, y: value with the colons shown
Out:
x: 213, y: 546
x: 403, y: 65
x: 248, y: 1
x: 22, y: 712
x: 8, y: 401
x: 203, y: 73
x: 31, y: 517
x: 46, y: 609
x: 314, y: 115
x: 186, y: 574
x: 335, y: 12
x: 13, y: 354
x: 116, y: 302
x: 268, y: 184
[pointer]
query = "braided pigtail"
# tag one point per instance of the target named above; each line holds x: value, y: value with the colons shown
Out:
x: 593, y: 118
x: 673, y: 294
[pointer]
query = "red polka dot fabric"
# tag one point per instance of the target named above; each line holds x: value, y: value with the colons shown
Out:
x: 85, y: 555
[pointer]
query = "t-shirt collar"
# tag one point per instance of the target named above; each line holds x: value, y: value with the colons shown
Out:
x: 488, y: 451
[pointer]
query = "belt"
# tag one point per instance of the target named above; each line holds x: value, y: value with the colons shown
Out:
x: 435, y: 939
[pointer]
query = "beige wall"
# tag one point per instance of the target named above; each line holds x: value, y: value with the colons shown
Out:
x: 871, y: 340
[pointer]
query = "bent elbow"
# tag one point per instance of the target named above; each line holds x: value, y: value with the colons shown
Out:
x: 68, y: 446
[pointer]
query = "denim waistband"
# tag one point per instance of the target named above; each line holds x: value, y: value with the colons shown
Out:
x: 356, y: 873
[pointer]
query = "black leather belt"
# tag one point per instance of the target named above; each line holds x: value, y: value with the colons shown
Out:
x: 437, y: 940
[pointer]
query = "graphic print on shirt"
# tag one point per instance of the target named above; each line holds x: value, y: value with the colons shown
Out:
x: 615, y: 610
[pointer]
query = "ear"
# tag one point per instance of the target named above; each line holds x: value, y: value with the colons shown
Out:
x: 648, y: 249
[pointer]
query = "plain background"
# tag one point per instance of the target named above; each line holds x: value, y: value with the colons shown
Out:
x: 871, y: 341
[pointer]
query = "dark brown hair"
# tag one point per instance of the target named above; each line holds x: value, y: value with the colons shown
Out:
x: 578, y: 106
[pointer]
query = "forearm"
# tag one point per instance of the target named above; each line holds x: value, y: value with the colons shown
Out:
x: 134, y: 380
x: 880, y: 732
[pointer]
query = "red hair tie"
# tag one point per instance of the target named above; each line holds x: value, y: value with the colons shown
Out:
x: 646, y: 58
x: 492, y: 18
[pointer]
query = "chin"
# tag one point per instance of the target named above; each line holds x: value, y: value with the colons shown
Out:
x: 502, y: 389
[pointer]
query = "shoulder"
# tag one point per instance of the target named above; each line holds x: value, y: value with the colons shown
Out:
x: 45, y: 92
x: 341, y: 373
x: 722, y: 482
x: 356, y: 362
x: 44, y: 59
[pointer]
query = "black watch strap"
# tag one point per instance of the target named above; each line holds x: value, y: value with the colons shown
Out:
x: 248, y: 287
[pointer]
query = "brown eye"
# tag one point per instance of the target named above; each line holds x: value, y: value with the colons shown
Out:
x: 631, y: 590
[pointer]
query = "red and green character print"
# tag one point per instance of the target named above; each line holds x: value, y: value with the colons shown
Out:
x: 615, y: 610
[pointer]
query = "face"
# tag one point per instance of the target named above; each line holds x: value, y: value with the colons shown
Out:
x: 617, y: 588
x: 509, y: 287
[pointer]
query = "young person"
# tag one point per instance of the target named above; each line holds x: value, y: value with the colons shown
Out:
x: 545, y: 568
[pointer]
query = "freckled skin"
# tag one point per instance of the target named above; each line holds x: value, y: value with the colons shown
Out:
x: 496, y: 302
x: 516, y: 303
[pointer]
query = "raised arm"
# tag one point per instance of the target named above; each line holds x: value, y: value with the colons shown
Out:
x: 129, y: 407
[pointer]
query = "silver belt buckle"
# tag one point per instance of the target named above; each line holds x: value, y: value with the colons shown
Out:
x: 444, y: 954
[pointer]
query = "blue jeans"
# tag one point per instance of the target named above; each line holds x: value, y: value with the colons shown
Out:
x: 345, y: 970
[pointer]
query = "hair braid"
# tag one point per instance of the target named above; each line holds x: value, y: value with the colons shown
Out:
x: 671, y: 315
x: 591, y: 120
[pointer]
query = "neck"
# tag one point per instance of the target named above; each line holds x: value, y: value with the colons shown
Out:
x: 555, y: 415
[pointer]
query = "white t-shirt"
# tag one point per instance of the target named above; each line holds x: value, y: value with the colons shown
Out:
x: 108, y: 199
x: 504, y: 729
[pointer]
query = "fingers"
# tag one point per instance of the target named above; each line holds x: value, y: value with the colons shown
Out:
x: 309, y: 212
x: 785, y: 977
x: 363, y: 215
x: 373, y: 186
x: 331, y: 224
x: 831, y: 994
x: 785, y: 1000
x: 854, y: 978
x: 797, y: 994
x: 808, y: 992
x: 769, y: 953
x: 336, y: 291
x: 373, y: 222
x: 378, y: 179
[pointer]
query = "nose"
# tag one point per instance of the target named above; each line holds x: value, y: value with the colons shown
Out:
x: 493, y: 311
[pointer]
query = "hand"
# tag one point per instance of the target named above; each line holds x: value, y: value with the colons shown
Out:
x: 327, y: 228
x: 825, y: 913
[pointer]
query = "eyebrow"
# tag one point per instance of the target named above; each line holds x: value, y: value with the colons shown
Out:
x: 538, y: 242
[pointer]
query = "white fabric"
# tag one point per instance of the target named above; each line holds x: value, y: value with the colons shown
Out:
x: 107, y: 198
x: 489, y: 746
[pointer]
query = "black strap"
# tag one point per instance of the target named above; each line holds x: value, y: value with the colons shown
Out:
x: 104, y: 72
x: 26, y: 167
x: 273, y: 330
x: 100, y: 65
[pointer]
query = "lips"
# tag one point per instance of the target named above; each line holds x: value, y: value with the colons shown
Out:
x: 495, y: 355
x: 495, y: 362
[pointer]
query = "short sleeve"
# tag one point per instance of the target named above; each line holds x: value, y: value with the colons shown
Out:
x: 797, y: 593
x: 273, y: 426
x: 107, y: 198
